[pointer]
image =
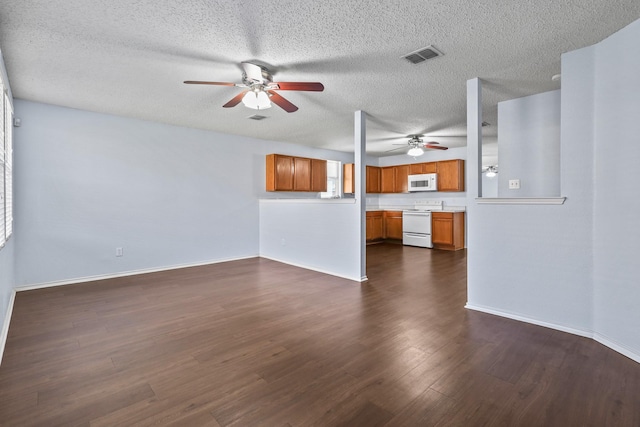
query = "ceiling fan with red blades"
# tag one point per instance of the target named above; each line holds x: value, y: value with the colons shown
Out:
x: 417, y: 145
x: 261, y: 89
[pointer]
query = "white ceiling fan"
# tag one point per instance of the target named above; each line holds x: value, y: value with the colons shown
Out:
x: 490, y: 171
x: 417, y: 146
x: 260, y: 89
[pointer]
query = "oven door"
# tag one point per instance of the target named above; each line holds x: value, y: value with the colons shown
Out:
x: 418, y: 222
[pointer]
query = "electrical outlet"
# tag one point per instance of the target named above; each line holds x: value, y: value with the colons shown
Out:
x: 514, y: 184
x: 118, y: 251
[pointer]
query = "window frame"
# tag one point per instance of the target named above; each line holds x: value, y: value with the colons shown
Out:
x: 6, y: 165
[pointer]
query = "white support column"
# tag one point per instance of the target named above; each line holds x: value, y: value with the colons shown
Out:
x: 474, y: 140
x: 360, y: 146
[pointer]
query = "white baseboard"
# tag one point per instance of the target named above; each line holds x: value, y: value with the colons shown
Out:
x: 617, y: 347
x: 306, y: 267
x: 124, y: 274
x: 5, y: 325
x: 574, y: 331
x: 607, y: 342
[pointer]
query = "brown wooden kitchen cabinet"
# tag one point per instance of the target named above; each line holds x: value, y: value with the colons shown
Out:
x: 401, y: 183
x: 415, y: 168
x: 394, y: 179
x: 447, y: 230
x: 348, y: 179
x: 279, y: 172
x: 373, y: 179
x: 318, y: 175
x: 301, y: 174
x: 451, y: 175
x: 388, y: 179
x: 289, y: 173
x: 393, y: 225
x: 420, y: 168
x: 375, y: 226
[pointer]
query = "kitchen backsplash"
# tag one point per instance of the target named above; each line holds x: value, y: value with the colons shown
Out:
x: 408, y: 200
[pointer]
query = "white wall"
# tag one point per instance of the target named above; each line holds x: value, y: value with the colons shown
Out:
x: 489, y: 186
x: 535, y: 262
x: 87, y: 183
x: 617, y: 173
x: 327, y: 236
x: 318, y: 235
x: 573, y: 266
x: 529, y: 145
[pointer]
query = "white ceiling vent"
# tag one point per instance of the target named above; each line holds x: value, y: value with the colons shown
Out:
x: 422, y: 55
x: 257, y: 117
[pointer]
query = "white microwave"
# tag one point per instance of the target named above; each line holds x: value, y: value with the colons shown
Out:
x: 423, y: 182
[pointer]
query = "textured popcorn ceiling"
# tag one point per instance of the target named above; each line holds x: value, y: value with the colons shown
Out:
x: 129, y: 58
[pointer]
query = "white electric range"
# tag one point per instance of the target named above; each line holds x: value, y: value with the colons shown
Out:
x: 416, y: 223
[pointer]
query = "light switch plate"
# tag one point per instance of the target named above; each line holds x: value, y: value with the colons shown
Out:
x: 514, y: 184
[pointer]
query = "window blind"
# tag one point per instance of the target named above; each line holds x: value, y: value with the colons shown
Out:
x: 6, y: 167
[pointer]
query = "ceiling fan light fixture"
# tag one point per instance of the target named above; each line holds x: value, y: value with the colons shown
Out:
x: 415, y: 151
x: 257, y: 100
x: 491, y: 172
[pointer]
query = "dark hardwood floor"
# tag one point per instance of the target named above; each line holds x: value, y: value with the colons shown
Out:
x: 256, y: 342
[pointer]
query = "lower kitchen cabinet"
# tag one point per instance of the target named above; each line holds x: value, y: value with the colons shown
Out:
x: 447, y: 230
x: 374, y: 226
x: 393, y: 225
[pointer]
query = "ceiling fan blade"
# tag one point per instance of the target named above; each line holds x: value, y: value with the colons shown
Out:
x: 436, y: 147
x: 235, y: 100
x: 309, y: 86
x: 281, y: 102
x: 195, y: 82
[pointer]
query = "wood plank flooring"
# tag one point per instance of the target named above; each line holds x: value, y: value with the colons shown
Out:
x: 256, y: 342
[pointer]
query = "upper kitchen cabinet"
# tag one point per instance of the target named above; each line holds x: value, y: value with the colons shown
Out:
x: 401, y: 183
x: 301, y: 174
x: 348, y: 179
x: 394, y: 179
x: 288, y: 173
x: 318, y: 175
x: 373, y: 179
x: 420, y: 168
x: 279, y: 172
x: 430, y: 167
x: 388, y: 179
x: 451, y: 175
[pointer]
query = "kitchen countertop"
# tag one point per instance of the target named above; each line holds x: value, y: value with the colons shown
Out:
x: 401, y: 208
